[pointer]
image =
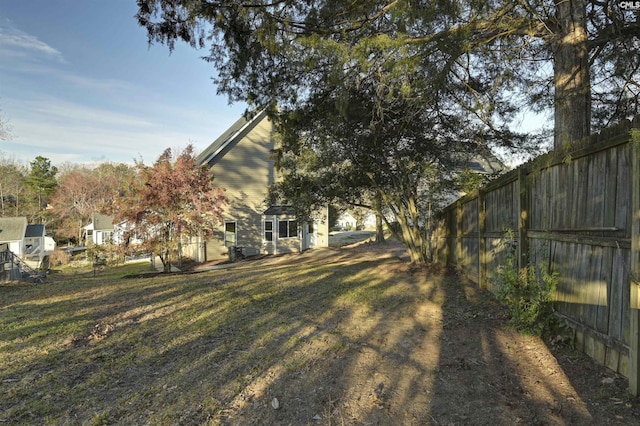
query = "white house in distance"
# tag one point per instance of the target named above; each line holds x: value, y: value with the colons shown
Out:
x: 100, y: 230
x: 27, y: 242
x: 12, y: 234
x: 347, y: 221
x: 103, y: 231
x: 37, y: 246
x: 242, y: 163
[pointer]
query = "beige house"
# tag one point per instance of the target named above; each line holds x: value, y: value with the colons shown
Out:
x: 242, y: 163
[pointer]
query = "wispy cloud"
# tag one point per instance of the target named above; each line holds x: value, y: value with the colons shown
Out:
x: 18, y: 44
x: 68, y: 131
x: 60, y: 112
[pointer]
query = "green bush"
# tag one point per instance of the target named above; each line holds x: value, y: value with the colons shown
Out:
x: 527, y: 293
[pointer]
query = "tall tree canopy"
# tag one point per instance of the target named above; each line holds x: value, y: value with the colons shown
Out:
x: 396, y: 166
x: 12, y: 188
x: 82, y: 191
x: 5, y: 127
x: 493, y: 57
x: 381, y: 98
x: 42, y: 181
x: 172, y: 199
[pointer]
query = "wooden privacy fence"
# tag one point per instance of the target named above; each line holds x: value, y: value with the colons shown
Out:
x: 574, y: 212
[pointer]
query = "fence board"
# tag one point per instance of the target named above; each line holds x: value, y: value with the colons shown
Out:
x: 623, y: 190
x: 619, y: 292
x: 610, y: 189
x: 572, y: 214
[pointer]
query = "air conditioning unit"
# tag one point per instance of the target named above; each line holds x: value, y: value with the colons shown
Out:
x: 250, y: 251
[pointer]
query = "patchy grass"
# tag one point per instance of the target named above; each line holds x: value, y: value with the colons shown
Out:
x: 345, y: 238
x: 167, y: 349
x: 353, y: 337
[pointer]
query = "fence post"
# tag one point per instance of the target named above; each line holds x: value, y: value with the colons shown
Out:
x: 459, y: 255
x: 523, y: 219
x: 634, y: 274
x: 482, y: 255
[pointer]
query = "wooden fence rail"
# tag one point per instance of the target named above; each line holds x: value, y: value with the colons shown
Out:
x: 576, y: 213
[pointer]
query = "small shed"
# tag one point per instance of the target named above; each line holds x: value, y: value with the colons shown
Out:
x: 23, y: 248
x: 12, y: 234
x: 37, y: 246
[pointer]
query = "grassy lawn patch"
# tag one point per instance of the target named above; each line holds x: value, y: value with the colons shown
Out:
x: 168, y: 349
x: 353, y: 337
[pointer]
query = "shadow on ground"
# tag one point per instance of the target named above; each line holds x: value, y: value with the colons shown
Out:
x: 353, y: 336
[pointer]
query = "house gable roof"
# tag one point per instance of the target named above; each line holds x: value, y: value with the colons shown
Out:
x: 486, y: 164
x: 12, y: 229
x: 100, y: 222
x: 36, y: 230
x: 228, y: 139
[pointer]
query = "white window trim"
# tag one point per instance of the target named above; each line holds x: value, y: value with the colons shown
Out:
x: 235, y: 233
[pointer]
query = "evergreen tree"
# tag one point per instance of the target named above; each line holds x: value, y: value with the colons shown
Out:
x: 42, y: 182
x: 494, y: 57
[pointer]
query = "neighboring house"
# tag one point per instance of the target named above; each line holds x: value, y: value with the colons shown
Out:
x: 348, y: 222
x: 100, y: 230
x: 242, y: 163
x: 483, y: 164
x: 486, y: 164
x: 28, y: 242
x: 12, y: 234
x: 124, y: 233
x: 37, y: 246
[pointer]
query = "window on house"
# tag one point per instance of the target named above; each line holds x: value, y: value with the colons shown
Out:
x: 268, y: 230
x: 229, y: 234
x: 287, y: 228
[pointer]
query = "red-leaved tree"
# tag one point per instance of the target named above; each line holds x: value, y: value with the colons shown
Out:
x: 169, y: 201
x: 83, y: 191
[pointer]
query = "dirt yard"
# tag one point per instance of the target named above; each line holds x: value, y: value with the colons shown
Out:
x: 437, y: 351
x: 350, y: 336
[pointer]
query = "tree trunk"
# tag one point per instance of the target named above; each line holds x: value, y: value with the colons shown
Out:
x: 572, y: 102
x: 379, y: 229
x: 166, y: 261
x: 379, y: 221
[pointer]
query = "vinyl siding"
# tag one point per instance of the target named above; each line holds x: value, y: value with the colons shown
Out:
x: 245, y: 169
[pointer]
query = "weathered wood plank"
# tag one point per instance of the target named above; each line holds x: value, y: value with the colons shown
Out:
x: 600, y: 280
x: 634, y: 298
x: 560, y: 253
x: 598, y: 240
x: 459, y: 259
x: 600, y: 186
x: 617, y: 297
x: 582, y: 178
x: 482, y: 247
x: 523, y: 220
x: 623, y: 193
x: 610, y: 189
x: 578, y: 208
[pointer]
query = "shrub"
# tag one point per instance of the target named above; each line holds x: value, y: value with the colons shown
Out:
x: 527, y: 293
x: 59, y: 258
x: 106, y: 254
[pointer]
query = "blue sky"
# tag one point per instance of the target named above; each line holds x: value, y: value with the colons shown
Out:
x: 80, y: 84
